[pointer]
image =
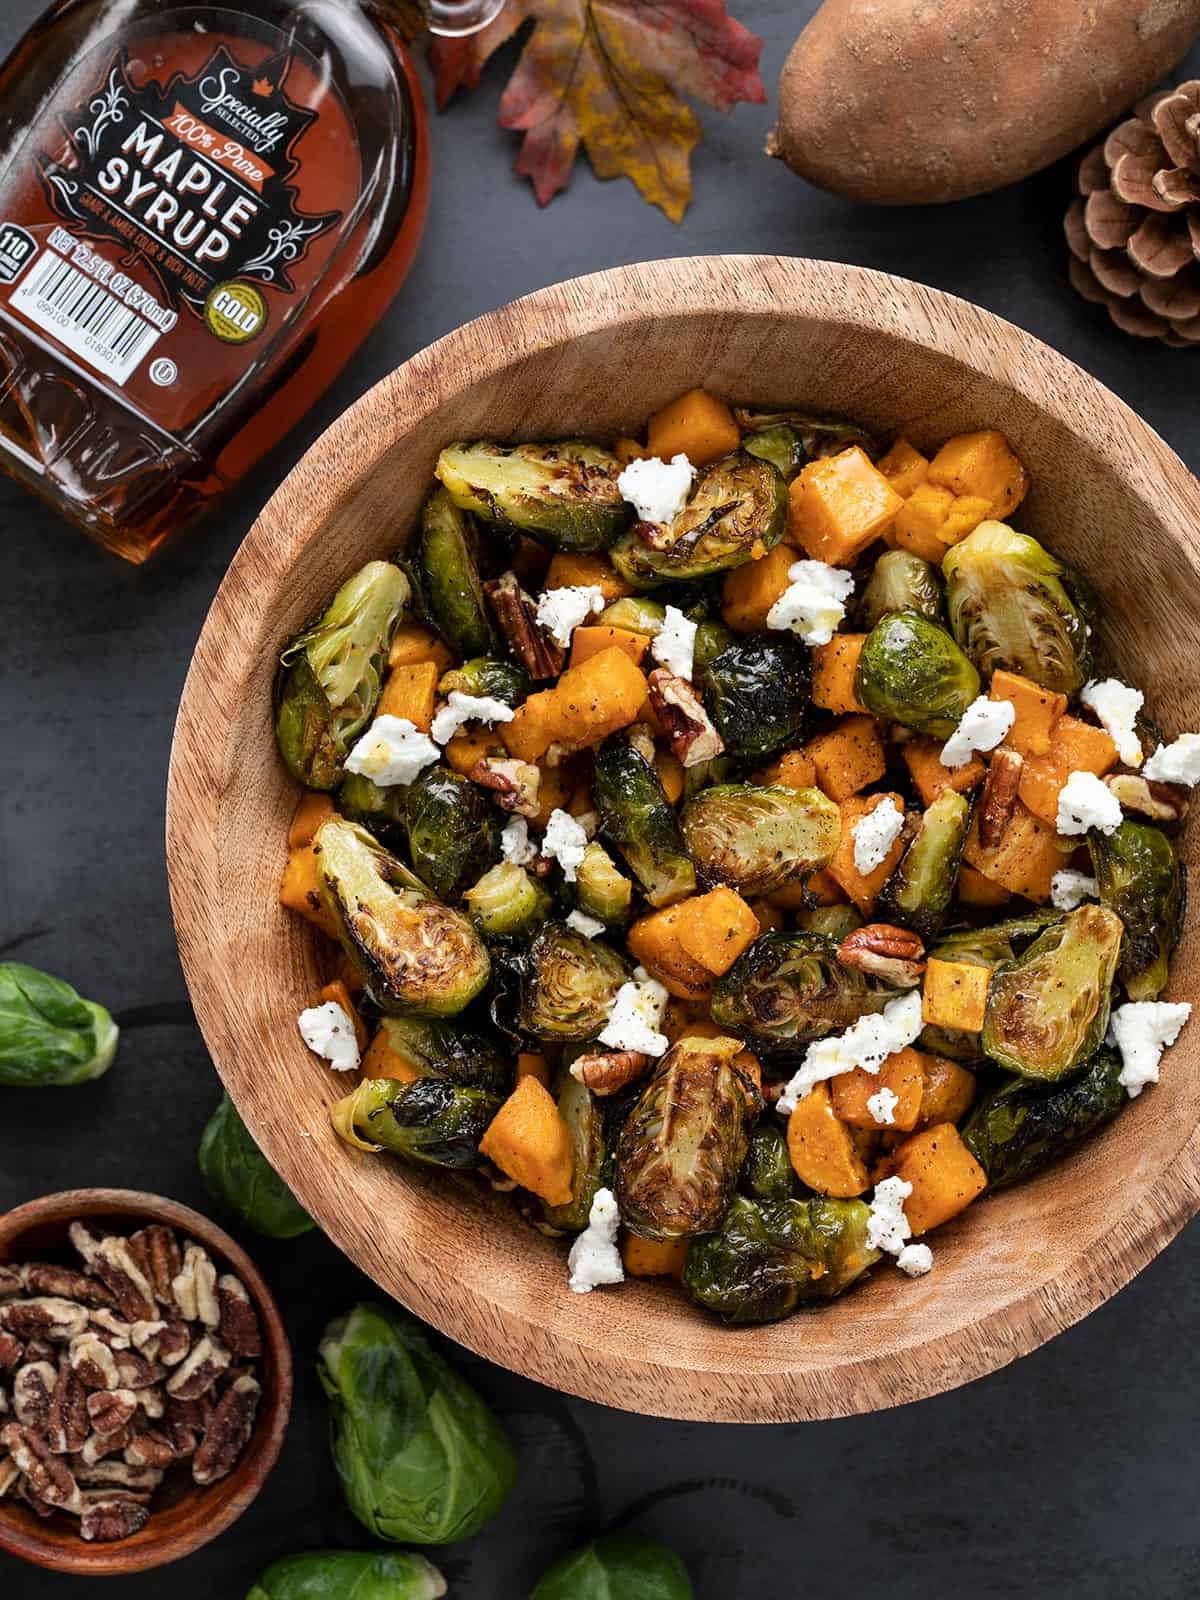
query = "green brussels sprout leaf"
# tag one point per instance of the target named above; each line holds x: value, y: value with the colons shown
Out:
x: 737, y: 509
x: 638, y: 819
x: 447, y: 578
x: 1139, y: 878
x: 434, y: 1122
x: 568, y: 985
x: 901, y: 581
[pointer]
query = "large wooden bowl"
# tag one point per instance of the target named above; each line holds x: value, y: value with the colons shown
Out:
x: 595, y: 356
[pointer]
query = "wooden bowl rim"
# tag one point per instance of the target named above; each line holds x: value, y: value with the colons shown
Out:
x: 261, y: 1454
x: 734, y: 285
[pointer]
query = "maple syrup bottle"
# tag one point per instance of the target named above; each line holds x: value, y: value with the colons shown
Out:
x: 204, y: 209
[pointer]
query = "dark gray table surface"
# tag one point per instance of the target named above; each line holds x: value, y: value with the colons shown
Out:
x: 1070, y: 1473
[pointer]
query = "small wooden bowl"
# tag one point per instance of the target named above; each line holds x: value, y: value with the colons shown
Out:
x: 596, y: 357
x: 182, y: 1517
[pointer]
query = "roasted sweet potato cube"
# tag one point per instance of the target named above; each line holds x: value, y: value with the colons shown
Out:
x: 794, y: 769
x: 1037, y: 709
x: 833, y: 668
x: 530, y: 1143
x: 472, y: 745
x: 670, y: 775
x: 413, y: 643
x: 903, y: 1073
x: 336, y: 993
x: 824, y: 889
x: 715, y: 928
x: 410, y: 692
x: 300, y: 889
x: 973, y: 889
x: 654, y: 941
x: 847, y: 758
x: 904, y: 467
x: 1076, y: 747
x: 749, y: 592
x: 589, y: 640
x: 653, y: 1258
x: 822, y: 1150
x: 1026, y: 858
x: 945, y: 1176
x: 922, y: 757
x: 862, y: 889
x: 918, y: 522
x: 311, y: 814
x: 381, y: 1060
x: 533, y: 728
x: 840, y: 505
x: 697, y: 425
x: 982, y: 464
x: 949, y: 1091
x: 571, y: 569
x: 595, y: 698
x: 531, y: 1064
x: 955, y: 994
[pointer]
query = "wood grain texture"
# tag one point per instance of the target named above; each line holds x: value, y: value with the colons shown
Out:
x: 595, y: 356
x: 182, y: 1517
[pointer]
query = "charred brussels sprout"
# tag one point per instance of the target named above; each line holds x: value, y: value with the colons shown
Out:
x: 383, y: 810
x: 243, y: 1182
x: 918, y: 892
x: 447, y: 1050
x: 447, y: 582
x: 788, y: 989
x: 453, y: 833
x: 683, y: 1144
x: 564, y: 495
x: 637, y: 817
x: 1009, y: 607
x: 584, y: 1117
x: 818, y: 436
x: 757, y: 837
x: 1047, y: 1011
x: 420, y: 1457
x: 901, y: 581
x: 1139, y: 879
x: 50, y: 1037
x: 767, y: 1172
x: 487, y: 677
x: 737, y: 510
x: 568, y: 985
x: 434, y: 1122
x: 1022, y: 1127
x: 911, y: 671
x: 331, y: 675
x: 416, y: 956
x: 620, y: 1566
x: 768, y: 1257
x: 340, y: 1574
x: 781, y: 445
x: 507, y: 903
x: 600, y: 889
x: 758, y: 693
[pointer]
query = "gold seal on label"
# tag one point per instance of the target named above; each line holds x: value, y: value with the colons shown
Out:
x: 235, y: 312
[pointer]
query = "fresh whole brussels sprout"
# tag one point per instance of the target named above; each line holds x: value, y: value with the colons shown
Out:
x: 434, y: 1121
x: 349, y: 1575
x: 563, y: 495
x: 683, y: 1144
x: 447, y: 578
x: 758, y: 693
x: 637, y: 817
x: 1139, y: 879
x: 1022, y: 1127
x: 620, y: 1566
x: 487, y: 677
x: 507, y: 903
x: 1047, y: 1011
x: 568, y: 985
x: 49, y: 1036
x: 901, y: 581
x: 420, y: 1456
x: 447, y: 1050
x: 1009, y: 607
x: 788, y: 989
x: 819, y: 436
x: 767, y: 1257
x: 737, y: 510
x: 584, y: 1117
x: 757, y: 837
x: 416, y: 956
x: 453, y: 833
x: 242, y: 1181
x: 911, y: 671
x: 331, y: 675
x: 767, y: 1173
x: 918, y: 893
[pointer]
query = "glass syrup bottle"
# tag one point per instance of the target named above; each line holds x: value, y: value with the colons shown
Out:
x: 204, y: 209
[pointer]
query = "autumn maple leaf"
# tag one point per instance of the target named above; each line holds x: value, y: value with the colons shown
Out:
x: 610, y: 75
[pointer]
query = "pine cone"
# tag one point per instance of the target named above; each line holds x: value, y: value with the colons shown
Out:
x: 1135, y: 234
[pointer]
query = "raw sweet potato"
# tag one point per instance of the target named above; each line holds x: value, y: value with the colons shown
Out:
x: 530, y: 1143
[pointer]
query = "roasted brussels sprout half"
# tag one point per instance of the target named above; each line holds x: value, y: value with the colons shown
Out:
x: 758, y: 693
x: 918, y: 893
x: 767, y: 1257
x: 788, y: 989
x: 819, y: 436
x: 487, y: 677
x: 757, y: 837
x: 415, y: 955
x: 637, y: 817
x: 445, y: 574
x: 767, y: 1172
x: 340, y: 1574
x: 781, y: 445
x: 1139, y: 879
x: 712, y: 640
x: 448, y: 1050
x: 421, y: 1458
x: 989, y: 946
x: 507, y: 903
x: 243, y: 1182
x: 331, y: 675
x: 836, y: 922
x: 453, y: 831
x: 568, y: 985
x: 737, y: 510
x: 1009, y: 607
x: 563, y: 495
x: 1047, y: 1011
x: 683, y: 1144
x: 636, y: 613
x: 585, y: 1120
x: 911, y: 671
x: 382, y: 809
x: 619, y: 1566
x: 601, y: 890
x: 434, y: 1122
x: 1022, y: 1127
x: 900, y: 581
x: 50, y: 1037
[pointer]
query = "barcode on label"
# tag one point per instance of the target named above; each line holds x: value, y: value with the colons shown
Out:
x: 84, y: 317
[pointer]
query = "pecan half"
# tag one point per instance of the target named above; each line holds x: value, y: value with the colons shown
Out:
x: 99, y: 1445
x: 238, y: 1328
x: 689, y: 727
x: 516, y: 617
x: 156, y: 1250
x: 152, y: 1402
x: 606, y: 1071
x: 86, y: 1241
x: 135, y: 1372
x: 110, y: 1329
x: 39, y: 1507
x: 149, y: 1449
x: 11, y: 1351
x: 998, y: 797
x: 228, y: 1431
x: 41, y: 1350
x: 68, y: 1424
x: 105, y: 1518
x: 114, y: 1263
x: 191, y: 1414
x: 196, y: 1376
x: 514, y: 783
x: 110, y: 1410
x: 49, y: 1478
x: 94, y: 1362
x: 164, y: 1342
x: 1160, y: 802
x: 120, y: 1475
x: 195, y: 1287
x: 64, y: 1283
x: 45, y: 1317
x: 894, y: 954
x: 33, y: 1384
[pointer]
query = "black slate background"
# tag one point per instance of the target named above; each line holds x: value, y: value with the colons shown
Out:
x: 1070, y: 1474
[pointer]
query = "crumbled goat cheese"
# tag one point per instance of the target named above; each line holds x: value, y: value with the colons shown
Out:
x: 589, y: 927
x: 329, y: 1031
x: 1141, y: 1031
x: 1176, y: 763
x: 657, y: 490
x: 1069, y: 889
x: 1117, y: 706
x: 460, y: 708
x: 867, y: 1044
x: 594, y: 1257
x: 392, y: 751
x: 982, y: 726
x: 635, y: 1016
x: 515, y: 844
x: 565, y: 841
x: 882, y: 1106
x: 560, y: 611
x: 675, y: 644
x: 875, y: 834
x: 1084, y: 802
x: 887, y: 1226
x: 915, y: 1259
x: 814, y: 602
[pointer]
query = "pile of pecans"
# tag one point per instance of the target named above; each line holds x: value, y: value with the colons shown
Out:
x: 113, y: 1373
